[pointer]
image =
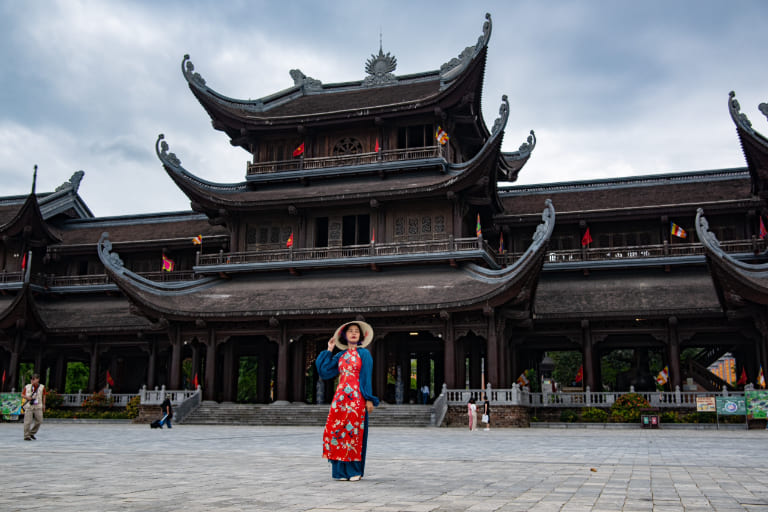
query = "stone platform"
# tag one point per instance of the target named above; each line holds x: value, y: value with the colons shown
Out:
x: 121, y: 467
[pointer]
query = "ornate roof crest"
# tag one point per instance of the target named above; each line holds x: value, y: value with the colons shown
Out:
x: 302, y: 80
x: 763, y: 107
x: 73, y: 183
x: 470, y: 51
x: 379, y: 68
x: 189, y: 71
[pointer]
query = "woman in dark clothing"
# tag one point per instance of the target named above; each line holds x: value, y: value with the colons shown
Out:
x: 487, y: 414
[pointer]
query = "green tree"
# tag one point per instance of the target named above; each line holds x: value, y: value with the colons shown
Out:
x: 78, y: 375
x: 567, y: 364
x: 247, y: 381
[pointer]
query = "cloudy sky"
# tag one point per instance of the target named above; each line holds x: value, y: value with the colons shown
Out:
x: 612, y: 88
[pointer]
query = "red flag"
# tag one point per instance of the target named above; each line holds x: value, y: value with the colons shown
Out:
x: 586, y: 239
x: 299, y: 150
x: 763, y: 231
x: 743, y: 378
x: 3, y: 378
x: 110, y: 381
x: 24, y: 262
x: 289, y: 243
x: 376, y: 149
x: 580, y: 374
x: 373, y: 236
x: 195, y: 382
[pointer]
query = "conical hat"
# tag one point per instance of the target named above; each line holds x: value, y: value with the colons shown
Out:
x: 366, y: 334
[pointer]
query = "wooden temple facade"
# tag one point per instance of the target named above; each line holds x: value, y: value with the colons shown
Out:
x: 380, y: 200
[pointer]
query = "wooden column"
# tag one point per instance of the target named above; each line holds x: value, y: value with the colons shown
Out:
x: 379, y: 377
x: 13, y: 364
x: 298, y: 392
x: 449, y: 353
x: 673, y: 353
x: 282, y: 365
x: 588, y: 356
x: 229, y: 373
x: 492, y: 351
x: 94, y: 368
x: 60, y: 373
x: 152, y: 363
x: 174, y: 336
x: 209, y: 388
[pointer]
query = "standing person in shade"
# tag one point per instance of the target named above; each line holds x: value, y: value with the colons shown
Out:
x: 346, y: 431
x: 167, y: 412
x: 472, y: 413
x: 34, y: 394
x: 487, y: 414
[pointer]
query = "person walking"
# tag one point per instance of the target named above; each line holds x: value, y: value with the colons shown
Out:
x: 345, y: 437
x: 34, y: 394
x: 487, y: 414
x: 472, y: 413
x: 167, y: 410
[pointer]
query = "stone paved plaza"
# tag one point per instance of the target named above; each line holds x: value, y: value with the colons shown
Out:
x: 109, y: 466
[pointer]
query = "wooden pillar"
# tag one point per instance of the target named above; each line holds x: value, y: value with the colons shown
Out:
x: 230, y: 372
x: 60, y: 373
x: 492, y: 351
x: 152, y: 364
x: 174, y: 336
x: 298, y: 367
x: 449, y: 353
x: 461, y: 363
x: 94, y: 368
x: 209, y: 388
x: 13, y: 364
x: 282, y: 365
x: 379, y: 378
x: 588, y: 358
x: 673, y: 353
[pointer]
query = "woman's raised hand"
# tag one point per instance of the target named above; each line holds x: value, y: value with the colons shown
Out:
x: 331, y: 344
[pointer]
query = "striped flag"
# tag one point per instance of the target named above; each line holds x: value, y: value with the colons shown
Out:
x: 522, y: 379
x: 478, y: 230
x: 198, y: 240
x: 502, y: 249
x: 663, y: 376
x: 168, y: 264
x: 763, y: 231
x: 678, y: 231
x: 441, y: 136
x: 761, y: 378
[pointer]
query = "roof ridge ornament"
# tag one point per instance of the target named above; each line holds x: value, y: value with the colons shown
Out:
x: 501, y: 121
x: 468, y: 53
x: 161, y: 148
x: 738, y: 117
x: 763, y: 107
x: 379, y: 68
x: 73, y: 183
x: 189, y: 72
x: 307, y: 82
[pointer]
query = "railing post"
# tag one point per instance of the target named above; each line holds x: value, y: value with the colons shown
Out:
x: 587, y: 396
x: 678, y: 396
x: 515, y: 394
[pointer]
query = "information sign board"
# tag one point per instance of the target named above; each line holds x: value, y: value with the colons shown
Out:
x: 757, y: 403
x: 731, y: 405
x: 705, y: 404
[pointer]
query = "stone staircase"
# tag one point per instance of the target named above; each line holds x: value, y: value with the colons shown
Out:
x: 297, y: 414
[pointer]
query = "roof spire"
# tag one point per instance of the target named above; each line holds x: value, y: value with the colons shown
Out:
x: 34, y: 179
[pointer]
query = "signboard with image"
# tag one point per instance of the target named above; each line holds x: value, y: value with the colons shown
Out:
x: 731, y: 405
x: 757, y: 404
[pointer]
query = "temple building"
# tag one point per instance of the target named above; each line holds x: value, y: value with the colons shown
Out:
x: 388, y: 199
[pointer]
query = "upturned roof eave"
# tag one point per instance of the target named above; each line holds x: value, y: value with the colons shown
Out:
x: 513, y: 284
x: 213, y: 196
x: 749, y: 280
x: 29, y: 215
x: 253, y: 114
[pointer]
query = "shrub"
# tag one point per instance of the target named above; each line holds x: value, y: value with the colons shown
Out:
x: 699, y: 417
x: 568, y: 416
x: 53, y: 399
x: 626, y: 408
x: 594, y: 415
x: 132, y: 409
x: 97, y: 402
x: 670, y: 417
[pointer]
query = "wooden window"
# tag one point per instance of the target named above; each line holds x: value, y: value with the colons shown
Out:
x: 355, y: 230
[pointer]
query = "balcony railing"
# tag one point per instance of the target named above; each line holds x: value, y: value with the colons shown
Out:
x: 326, y: 162
x: 11, y: 277
x: 644, y: 251
x: 446, y: 245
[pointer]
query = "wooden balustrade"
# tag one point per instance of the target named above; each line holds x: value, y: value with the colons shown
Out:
x: 326, y: 162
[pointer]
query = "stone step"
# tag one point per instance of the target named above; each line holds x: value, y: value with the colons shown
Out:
x: 212, y: 413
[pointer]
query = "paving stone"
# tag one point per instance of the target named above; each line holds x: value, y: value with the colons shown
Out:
x: 126, y: 467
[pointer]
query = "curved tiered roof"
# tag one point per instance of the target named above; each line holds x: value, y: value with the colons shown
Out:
x: 342, y: 292
x: 381, y: 94
x: 737, y: 282
x: 754, y: 145
x: 424, y: 177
